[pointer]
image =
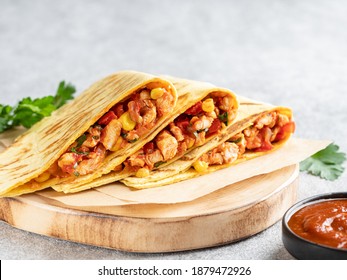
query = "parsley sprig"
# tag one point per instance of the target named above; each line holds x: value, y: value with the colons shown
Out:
x: 29, y: 111
x: 327, y: 163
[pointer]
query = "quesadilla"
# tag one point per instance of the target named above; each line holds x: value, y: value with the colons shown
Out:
x: 258, y: 129
x: 89, y: 136
x: 203, y: 112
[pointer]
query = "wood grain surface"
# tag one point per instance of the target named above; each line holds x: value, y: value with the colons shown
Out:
x: 224, y: 216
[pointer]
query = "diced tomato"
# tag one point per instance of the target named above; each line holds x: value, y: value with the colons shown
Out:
x: 118, y: 109
x: 288, y: 128
x: 215, y: 126
x: 105, y: 119
x: 195, y: 109
x: 265, y: 136
x: 134, y: 97
x: 265, y: 146
x: 280, y: 135
x: 218, y: 100
x: 183, y: 124
x: 180, y: 118
x: 148, y: 148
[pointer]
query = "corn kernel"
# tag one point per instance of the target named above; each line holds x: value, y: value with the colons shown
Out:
x: 157, y: 93
x: 200, y: 166
x: 142, y: 172
x: 43, y: 177
x: 208, y: 105
x: 190, y: 143
x: 126, y: 121
x: 117, y: 145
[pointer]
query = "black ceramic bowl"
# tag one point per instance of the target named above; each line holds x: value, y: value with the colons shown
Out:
x: 306, y: 250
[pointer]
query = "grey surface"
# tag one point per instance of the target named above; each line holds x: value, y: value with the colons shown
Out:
x: 292, y: 53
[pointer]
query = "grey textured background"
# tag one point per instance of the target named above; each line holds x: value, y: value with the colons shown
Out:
x: 291, y: 53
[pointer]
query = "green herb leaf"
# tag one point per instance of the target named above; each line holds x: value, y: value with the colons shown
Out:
x: 224, y: 118
x: 5, y: 117
x: 29, y: 111
x: 157, y: 164
x: 64, y: 93
x: 238, y: 140
x: 326, y: 163
x: 80, y: 140
x: 73, y: 149
x: 133, y: 140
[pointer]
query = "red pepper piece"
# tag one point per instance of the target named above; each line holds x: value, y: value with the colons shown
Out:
x: 118, y: 109
x: 215, y: 126
x: 195, y: 109
x: 148, y: 148
x: 105, y: 119
x: 288, y: 128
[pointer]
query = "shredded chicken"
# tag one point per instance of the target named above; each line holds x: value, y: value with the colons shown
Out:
x: 110, y: 134
x: 268, y: 119
x: 165, y: 103
x: 134, y: 111
x: 201, y: 123
x: 240, y: 141
x: 266, y: 133
x: 252, y: 139
x: 93, y: 162
x: 177, y: 132
x: 200, y: 138
x: 145, y: 94
x: 149, y: 113
x: 132, y: 136
x: 68, y: 161
x: 93, y: 137
x: 275, y: 131
x: 282, y: 120
x: 167, y: 144
x: 137, y: 159
x: 229, y: 151
x: 182, y: 148
x: 213, y: 158
x: 153, y: 157
x: 226, y: 103
x: 225, y: 153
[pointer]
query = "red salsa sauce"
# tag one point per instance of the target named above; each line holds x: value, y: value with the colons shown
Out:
x: 323, y: 222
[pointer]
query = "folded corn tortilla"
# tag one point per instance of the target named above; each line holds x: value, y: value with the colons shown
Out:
x: 24, y: 164
x: 192, y: 99
x: 249, y: 113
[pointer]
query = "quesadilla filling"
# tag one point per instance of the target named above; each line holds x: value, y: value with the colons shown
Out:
x: 268, y: 129
x: 191, y: 129
x: 123, y: 124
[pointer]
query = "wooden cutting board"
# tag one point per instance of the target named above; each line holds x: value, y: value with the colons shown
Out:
x: 227, y: 215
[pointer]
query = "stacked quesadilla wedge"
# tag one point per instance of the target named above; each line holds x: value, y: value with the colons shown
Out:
x: 258, y: 129
x: 85, y: 138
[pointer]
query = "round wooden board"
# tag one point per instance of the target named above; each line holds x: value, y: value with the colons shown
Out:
x: 224, y: 216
